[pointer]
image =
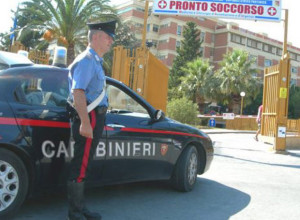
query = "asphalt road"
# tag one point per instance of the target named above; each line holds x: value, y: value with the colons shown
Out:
x: 245, y: 181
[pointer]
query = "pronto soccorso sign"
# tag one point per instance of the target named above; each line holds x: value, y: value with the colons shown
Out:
x: 267, y: 10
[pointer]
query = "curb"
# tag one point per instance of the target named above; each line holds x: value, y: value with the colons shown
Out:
x: 227, y: 132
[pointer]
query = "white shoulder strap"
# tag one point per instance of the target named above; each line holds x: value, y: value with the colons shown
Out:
x: 97, y: 101
x: 46, y: 98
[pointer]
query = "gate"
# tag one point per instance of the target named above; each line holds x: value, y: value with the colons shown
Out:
x: 275, y: 103
x: 271, y: 88
x: 143, y: 72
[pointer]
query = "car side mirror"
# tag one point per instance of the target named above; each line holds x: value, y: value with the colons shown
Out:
x: 159, y: 115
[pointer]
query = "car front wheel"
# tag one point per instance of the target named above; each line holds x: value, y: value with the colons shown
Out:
x: 13, y: 182
x: 185, y: 174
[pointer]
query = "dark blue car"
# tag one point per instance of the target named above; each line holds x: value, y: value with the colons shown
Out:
x: 138, y: 142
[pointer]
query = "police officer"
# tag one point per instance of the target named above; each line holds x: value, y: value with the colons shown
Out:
x: 86, y: 82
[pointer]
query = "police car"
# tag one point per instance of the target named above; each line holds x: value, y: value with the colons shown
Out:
x: 138, y: 143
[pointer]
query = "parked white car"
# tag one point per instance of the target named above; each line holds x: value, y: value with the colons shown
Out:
x: 8, y: 60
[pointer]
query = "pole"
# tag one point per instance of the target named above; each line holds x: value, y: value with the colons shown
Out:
x: 242, y: 105
x: 145, y: 24
x: 286, y: 21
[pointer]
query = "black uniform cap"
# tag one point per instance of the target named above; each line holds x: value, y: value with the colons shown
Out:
x: 108, y: 27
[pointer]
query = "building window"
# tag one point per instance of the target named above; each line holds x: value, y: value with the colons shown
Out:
x: 278, y: 51
x: 294, y: 70
x: 148, y: 27
x: 268, y: 63
x: 293, y: 56
x: 154, y: 42
x: 267, y: 48
x: 212, y: 51
x: 236, y: 38
x: 125, y: 10
x: 252, y: 43
x: 202, y: 36
x: 179, y: 30
x: 162, y: 57
x: 138, y: 25
x: 254, y: 58
x: 212, y: 38
x: 155, y: 28
x: 140, y: 9
x: 163, y: 41
x: 164, y: 25
x: 201, y: 49
x: 201, y: 18
x: 178, y: 44
x: 293, y: 82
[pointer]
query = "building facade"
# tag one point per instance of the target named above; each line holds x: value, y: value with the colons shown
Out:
x: 219, y: 37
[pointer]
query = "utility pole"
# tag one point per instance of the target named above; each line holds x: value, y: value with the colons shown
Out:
x: 145, y: 24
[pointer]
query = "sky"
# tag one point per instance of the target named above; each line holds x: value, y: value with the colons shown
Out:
x: 273, y: 29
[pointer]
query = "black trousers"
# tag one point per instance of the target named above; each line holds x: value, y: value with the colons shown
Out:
x: 84, y: 148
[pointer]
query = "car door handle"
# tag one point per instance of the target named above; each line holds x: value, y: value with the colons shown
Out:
x: 115, y: 126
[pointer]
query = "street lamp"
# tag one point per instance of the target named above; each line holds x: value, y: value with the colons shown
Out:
x: 242, y: 94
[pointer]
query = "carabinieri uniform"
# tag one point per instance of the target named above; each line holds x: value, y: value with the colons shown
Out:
x: 86, y: 73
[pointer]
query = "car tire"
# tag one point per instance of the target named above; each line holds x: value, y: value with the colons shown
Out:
x: 13, y: 183
x: 185, y: 173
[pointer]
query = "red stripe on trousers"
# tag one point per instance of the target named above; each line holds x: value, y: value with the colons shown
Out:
x: 87, y: 149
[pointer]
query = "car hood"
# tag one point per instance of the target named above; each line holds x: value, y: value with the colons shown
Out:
x: 180, y: 127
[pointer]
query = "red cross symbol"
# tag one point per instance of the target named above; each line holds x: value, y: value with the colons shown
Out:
x: 272, y: 11
x: 162, y: 4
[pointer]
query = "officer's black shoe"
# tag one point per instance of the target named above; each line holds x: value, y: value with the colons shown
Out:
x: 76, y: 198
x: 91, y: 215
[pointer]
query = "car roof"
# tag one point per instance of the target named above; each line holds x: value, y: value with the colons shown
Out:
x: 12, y: 59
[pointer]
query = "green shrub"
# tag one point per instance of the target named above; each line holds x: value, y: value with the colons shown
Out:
x: 204, y: 121
x: 183, y: 110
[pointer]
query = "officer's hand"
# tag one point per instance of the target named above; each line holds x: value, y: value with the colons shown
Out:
x: 86, y: 130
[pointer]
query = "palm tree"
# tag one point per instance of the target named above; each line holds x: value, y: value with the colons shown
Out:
x: 197, y: 80
x: 236, y: 75
x: 65, y: 20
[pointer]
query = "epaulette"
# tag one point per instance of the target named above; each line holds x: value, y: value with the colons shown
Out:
x: 88, y: 54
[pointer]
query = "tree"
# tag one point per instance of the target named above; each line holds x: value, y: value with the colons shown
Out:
x: 65, y: 20
x: 189, y: 50
x: 196, y: 82
x: 4, y: 41
x: 294, y: 102
x: 124, y: 37
x: 29, y: 38
x: 255, y: 103
x: 236, y: 75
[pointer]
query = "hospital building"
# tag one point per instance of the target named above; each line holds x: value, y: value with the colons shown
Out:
x: 166, y: 32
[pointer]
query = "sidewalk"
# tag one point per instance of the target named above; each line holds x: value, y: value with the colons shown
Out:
x: 225, y: 131
x: 292, y: 141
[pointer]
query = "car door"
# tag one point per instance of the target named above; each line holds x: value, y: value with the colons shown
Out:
x: 39, y: 107
x: 138, y: 147
x: 129, y: 152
